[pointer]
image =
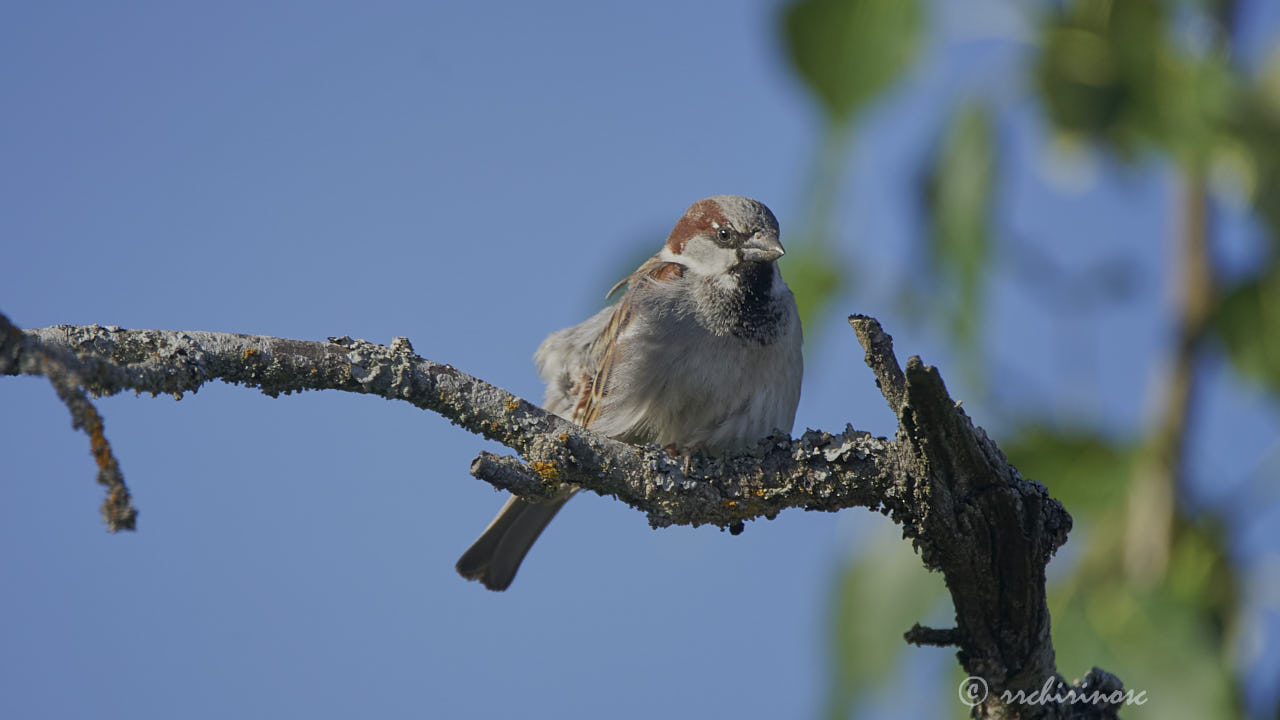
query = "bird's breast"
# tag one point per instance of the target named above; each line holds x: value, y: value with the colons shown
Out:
x: 681, y: 384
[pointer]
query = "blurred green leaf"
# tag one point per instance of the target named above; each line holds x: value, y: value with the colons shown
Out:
x: 849, y: 51
x: 1111, y: 71
x: 1167, y: 640
x: 1089, y: 473
x: 882, y: 593
x: 1096, y: 65
x: 1202, y: 574
x: 1247, y: 320
x: 1158, y: 644
x: 958, y: 197
x: 815, y: 275
x: 1255, y: 128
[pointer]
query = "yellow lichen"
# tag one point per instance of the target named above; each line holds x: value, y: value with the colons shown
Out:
x: 547, y: 471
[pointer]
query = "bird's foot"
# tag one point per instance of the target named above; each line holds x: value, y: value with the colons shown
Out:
x: 684, y: 453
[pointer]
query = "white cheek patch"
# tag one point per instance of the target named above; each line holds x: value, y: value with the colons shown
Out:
x: 704, y: 257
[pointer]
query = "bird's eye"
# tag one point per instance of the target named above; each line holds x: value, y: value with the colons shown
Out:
x: 725, y: 233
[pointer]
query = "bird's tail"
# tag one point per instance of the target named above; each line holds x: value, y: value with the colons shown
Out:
x: 494, y: 558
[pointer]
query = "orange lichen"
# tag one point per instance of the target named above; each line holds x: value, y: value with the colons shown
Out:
x: 546, y: 470
x: 98, y: 442
x: 511, y: 404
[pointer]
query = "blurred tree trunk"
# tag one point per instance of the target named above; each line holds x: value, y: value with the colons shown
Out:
x: 1153, y: 500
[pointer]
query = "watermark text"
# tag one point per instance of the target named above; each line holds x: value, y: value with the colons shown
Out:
x: 974, y: 691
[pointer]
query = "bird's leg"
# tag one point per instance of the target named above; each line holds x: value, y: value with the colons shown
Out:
x: 685, y: 453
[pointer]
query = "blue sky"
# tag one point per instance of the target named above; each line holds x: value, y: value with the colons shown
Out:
x: 473, y: 176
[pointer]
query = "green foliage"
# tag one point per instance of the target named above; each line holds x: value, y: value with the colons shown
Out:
x: 1167, y: 640
x: 814, y: 273
x: 1247, y: 320
x: 1246, y: 317
x: 1110, y: 70
x: 1127, y: 76
x: 957, y: 193
x: 1254, y: 148
x: 1161, y: 644
x: 1085, y: 470
x: 849, y: 51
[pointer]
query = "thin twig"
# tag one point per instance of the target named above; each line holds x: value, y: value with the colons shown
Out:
x: 117, y: 509
x: 938, y: 637
x: 880, y: 358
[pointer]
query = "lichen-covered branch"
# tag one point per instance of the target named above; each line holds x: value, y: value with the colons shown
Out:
x: 817, y: 471
x: 971, y: 515
x: 117, y: 509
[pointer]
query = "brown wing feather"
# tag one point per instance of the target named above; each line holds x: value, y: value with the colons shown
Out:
x: 591, y: 391
x: 644, y: 269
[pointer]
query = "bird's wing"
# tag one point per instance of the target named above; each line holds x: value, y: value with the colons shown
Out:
x: 605, y: 349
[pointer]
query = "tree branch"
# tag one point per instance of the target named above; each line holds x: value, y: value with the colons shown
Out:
x: 880, y: 358
x: 969, y: 512
x: 817, y: 471
x: 117, y: 509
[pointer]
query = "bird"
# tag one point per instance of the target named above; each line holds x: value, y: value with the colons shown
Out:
x: 702, y: 353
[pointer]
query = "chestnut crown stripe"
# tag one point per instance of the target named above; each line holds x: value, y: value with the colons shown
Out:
x: 701, y: 218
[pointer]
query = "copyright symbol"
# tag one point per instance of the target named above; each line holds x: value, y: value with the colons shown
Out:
x: 973, y: 690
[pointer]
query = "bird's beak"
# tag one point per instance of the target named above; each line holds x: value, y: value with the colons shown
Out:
x: 762, y: 247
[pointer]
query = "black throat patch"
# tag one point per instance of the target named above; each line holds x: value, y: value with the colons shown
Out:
x: 747, y: 311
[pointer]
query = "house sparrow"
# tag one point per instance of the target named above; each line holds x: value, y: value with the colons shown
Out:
x: 702, y: 353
